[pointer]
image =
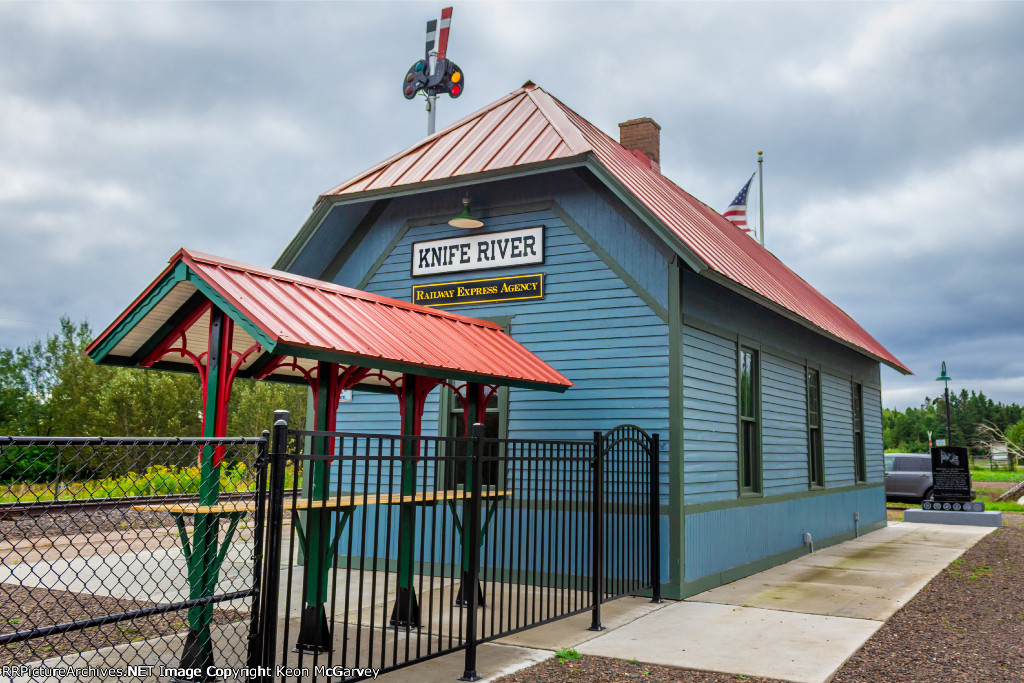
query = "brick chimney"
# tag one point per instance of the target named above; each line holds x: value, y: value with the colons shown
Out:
x: 642, y: 135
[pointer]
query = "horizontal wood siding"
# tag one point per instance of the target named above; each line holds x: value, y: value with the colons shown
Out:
x: 758, y: 531
x: 709, y: 417
x: 590, y: 326
x: 873, y: 446
x: 784, y: 425
x: 837, y: 430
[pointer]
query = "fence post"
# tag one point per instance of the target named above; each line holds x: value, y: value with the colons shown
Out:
x: 255, y: 658
x: 655, y: 446
x: 472, y: 526
x: 272, y: 559
x: 597, y: 527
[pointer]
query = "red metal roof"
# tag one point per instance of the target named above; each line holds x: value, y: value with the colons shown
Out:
x: 298, y: 313
x: 529, y: 126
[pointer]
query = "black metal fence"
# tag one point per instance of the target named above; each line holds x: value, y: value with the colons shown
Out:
x: 136, y: 559
x: 106, y: 570
x: 407, y: 548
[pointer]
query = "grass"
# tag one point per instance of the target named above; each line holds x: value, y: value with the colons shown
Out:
x: 986, y: 474
x: 566, y: 654
x: 154, y: 481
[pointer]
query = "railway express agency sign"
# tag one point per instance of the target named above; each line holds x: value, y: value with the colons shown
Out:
x: 488, y: 290
x: 476, y: 252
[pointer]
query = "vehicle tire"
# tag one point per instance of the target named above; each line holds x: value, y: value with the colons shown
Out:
x: 927, y: 494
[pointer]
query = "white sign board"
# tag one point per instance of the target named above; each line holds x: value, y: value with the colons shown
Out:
x: 476, y: 252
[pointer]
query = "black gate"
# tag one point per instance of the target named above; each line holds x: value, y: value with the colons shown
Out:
x: 383, y: 551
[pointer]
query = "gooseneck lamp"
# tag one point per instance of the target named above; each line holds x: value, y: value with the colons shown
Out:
x: 466, y: 219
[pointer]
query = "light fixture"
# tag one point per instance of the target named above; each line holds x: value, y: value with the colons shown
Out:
x: 949, y: 426
x: 465, y: 219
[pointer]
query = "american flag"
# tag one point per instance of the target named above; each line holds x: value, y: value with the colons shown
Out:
x: 737, y: 211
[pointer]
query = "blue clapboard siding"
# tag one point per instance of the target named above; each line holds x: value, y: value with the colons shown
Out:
x: 709, y: 417
x: 873, y: 446
x: 758, y: 531
x: 784, y: 425
x: 837, y: 426
x: 579, y: 328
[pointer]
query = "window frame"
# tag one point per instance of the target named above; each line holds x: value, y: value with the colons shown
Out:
x: 756, y: 460
x: 860, y: 461
x: 815, y: 434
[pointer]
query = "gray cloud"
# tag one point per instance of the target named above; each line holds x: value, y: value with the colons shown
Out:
x: 893, y: 137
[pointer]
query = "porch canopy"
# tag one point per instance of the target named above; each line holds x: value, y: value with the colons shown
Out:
x: 284, y: 324
x: 224, y: 319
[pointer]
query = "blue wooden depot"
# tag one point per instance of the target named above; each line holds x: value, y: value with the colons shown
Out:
x: 632, y: 314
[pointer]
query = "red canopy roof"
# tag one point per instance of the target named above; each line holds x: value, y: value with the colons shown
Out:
x: 530, y: 128
x: 293, y: 316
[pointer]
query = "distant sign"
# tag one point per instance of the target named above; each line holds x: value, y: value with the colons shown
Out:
x: 476, y: 252
x: 495, y: 289
x: 951, y: 474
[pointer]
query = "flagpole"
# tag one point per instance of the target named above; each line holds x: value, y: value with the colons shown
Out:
x: 760, y: 191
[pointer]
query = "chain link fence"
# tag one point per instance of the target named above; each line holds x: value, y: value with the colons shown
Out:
x: 110, y: 568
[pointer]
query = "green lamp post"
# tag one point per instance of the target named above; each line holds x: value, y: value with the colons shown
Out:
x: 949, y: 429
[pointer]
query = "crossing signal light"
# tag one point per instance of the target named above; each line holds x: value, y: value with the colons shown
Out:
x: 416, y: 79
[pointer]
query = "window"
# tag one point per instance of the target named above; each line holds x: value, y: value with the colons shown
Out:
x: 454, y: 424
x: 815, y: 442
x: 749, y: 428
x: 860, y: 466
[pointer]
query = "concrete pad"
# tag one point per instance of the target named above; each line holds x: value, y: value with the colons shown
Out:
x: 866, y: 578
x: 156, y: 653
x: 493, y: 661
x: 738, y: 640
x: 818, y: 590
x: 159, y: 575
x: 572, y: 631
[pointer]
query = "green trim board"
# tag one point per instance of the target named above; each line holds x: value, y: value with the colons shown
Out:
x: 691, y: 588
x: 254, y: 331
x: 676, y: 449
x: 140, y: 311
x: 355, y: 239
x: 684, y: 252
x: 697, y: 508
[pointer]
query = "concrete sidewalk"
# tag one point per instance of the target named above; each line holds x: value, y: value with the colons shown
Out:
x: 796, y: 622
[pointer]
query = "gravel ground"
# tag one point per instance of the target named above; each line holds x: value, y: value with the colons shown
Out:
x: 85, y: 522
x: 24, y: 608
x: 966, y: 625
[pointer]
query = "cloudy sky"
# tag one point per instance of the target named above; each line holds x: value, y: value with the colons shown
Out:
x: 893, y: 138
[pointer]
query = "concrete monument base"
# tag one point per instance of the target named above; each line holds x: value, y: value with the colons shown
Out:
x: 987, y: 518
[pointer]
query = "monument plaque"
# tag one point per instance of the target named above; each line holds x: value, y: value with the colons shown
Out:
x: 951, y: 474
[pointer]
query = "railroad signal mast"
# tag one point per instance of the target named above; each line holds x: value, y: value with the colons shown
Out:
x: 441, y: 76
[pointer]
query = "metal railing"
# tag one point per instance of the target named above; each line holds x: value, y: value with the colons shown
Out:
x: 407, y: 548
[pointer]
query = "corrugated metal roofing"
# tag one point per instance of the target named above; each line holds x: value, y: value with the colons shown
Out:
x: 302, y: 315
x: 529, y: 126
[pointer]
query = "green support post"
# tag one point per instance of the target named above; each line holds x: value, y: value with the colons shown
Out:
x: 202, y: 561
x: 473, y: 396
x: 314, y: 633
x: 407, y: 610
